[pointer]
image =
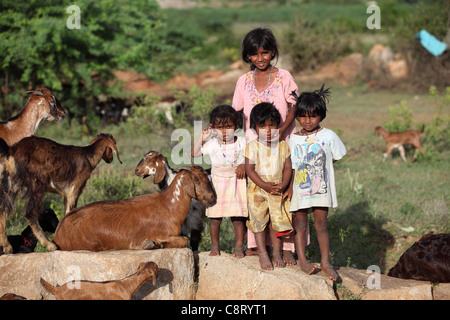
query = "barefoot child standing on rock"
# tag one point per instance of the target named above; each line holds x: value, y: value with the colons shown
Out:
x: 268, y: 167
x: 226, y: 151
x: 314, y: 149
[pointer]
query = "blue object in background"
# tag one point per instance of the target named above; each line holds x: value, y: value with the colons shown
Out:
x: 433, y: 45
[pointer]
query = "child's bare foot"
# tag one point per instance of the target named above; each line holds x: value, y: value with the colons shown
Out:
x: 307, y: 267
x: 264, y: 261
x: 239, y: 252
x: 214, y: 252
x: 288, y: 258
x: 278, y: 260
x: 329, y: 271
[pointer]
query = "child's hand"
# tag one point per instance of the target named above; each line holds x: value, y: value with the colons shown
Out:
x: 207, y: 133
x: 240, y: 171
x: 288, y: 194
x: 278, y: 188
x: 272, y: 188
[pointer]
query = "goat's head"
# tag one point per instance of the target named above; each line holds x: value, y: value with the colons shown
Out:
x: 109, y: 145
x: 378, y: 131
x: 152, y: 163
x: 45, y: 99
x: 198, y: 186
x: 48, y: 220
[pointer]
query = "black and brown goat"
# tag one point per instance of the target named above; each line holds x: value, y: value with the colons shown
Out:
x: 26, y: 241
x: 36, y: 166
x: 144, y: 222
x: 42, y: 105
x: 154, y: 163
x: 427, y: 259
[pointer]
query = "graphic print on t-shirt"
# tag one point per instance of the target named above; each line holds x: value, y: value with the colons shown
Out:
x: 311, y: 173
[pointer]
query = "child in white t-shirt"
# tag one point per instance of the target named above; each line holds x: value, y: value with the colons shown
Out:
x: 313, y: 151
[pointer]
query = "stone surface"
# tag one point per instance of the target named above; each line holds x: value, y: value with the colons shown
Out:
x: 368, y: 286
x: 20, y: 273
x: 226, y: 277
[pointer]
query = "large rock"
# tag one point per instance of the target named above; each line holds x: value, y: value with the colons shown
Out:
x: 226, y: 277
x: 20, y: 273
x: 368, y: 286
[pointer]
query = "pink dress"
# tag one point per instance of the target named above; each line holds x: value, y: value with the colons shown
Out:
x: 231, y: 191
x: 246, y: 96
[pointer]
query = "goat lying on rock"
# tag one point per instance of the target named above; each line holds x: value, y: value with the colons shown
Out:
x: 42, y: 105
x: 143, y: 222
x: 39, y: 165
x: 26, y: 241
x: 123, y: 289
x: 155, y: 163
x: 427, y: 259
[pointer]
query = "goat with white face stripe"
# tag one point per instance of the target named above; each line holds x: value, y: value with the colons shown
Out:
x: 154, y: 163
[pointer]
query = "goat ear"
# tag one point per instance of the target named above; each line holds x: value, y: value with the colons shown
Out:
x: 190, y: 187
x: 159, y: 174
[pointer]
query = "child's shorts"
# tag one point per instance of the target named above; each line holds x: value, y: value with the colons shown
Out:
x: 263, y: 206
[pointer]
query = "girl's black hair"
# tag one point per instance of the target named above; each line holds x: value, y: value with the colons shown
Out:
x: 262, y: 112
x: 312, y: 103
x: 223, y: 113
x: 259, y: 37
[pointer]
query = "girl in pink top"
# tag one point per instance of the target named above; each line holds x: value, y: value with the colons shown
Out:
x: 265, y: 83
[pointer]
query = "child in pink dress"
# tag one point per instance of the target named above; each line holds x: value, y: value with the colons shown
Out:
x: 265, y: 83
x: 226, y: 152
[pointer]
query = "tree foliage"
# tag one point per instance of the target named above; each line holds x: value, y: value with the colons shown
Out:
x: 38, y: 49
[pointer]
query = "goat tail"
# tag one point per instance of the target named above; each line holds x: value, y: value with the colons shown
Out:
x: 47, y: 286
x: 4, y: 148
x: 423, y: 129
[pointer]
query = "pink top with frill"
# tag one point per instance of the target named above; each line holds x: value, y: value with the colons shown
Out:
x: 246, y: 96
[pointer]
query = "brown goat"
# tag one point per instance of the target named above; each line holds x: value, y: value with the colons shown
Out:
x: 123, y: 289
x: 398, y: 139
x: 427, y: 259
x: 42, y: 105
x: 143, y: 222
x: 155, y: 163
x: 39, y: 165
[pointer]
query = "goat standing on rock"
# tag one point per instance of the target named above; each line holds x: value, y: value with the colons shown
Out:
x: 143, y: 222
x: 40, y: 165
x: 42, y: 105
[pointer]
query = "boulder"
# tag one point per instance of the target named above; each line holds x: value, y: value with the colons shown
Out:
x: 343, y: 71
x: 383, y: 287
x: 20, y: 273
x: 397, y: 69
x: 226, y: 277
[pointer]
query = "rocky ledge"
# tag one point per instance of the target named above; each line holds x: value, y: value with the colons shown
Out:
x: 219, y: 278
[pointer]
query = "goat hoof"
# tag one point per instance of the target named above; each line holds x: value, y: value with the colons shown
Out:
x: 150, y: 244
x: 6, y: 249
x: 51, y: 246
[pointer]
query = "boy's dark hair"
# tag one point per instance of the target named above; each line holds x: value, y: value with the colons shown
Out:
x: 259, y: 37
x: 223, y: 113
x: 312, y: 103
x: 262, y: 112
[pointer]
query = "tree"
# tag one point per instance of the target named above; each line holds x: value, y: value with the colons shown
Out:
x: 38, y: 47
